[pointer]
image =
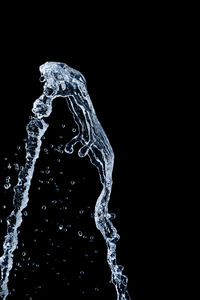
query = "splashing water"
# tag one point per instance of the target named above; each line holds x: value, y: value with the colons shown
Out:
x: 62, y: 81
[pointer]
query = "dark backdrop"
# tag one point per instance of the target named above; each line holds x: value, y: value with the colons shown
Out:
x: 120, y: 59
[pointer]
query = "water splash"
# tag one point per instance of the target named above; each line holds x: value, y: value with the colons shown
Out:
x: 62, y: 81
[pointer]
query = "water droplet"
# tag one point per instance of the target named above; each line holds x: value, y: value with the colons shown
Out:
x: 91, y: 239
x: 4, y: 206
x: 23, y: 253
x: 25, y: 213
x: 96, y: 289
x: 60, y: 227
x: 81, y: 212
x: 16, y: 167
x: 111, y: 216
x: 38, y: 287
x: 80, y: 233
x: 82, y: 272
x: 58, y: 160
x: 73, y: 129
x: 1, y: 221
x: 7, y: 186
x: 47, y: 171
x: 53, y: 201
x: 9, y: 166
x: 63, y: 125
x: 44, y: 207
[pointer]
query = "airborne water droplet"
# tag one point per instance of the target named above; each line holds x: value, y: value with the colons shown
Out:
x: 7, y: 186
x: 60, y: 227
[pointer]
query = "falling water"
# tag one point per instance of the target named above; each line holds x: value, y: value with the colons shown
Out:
x: 62, y: 81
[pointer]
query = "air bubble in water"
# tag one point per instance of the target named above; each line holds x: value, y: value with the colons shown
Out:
x: 80, y: 233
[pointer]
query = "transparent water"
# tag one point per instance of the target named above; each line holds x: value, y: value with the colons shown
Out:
x: 61, y: 81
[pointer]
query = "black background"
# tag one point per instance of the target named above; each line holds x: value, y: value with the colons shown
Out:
x: 119, y: 51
